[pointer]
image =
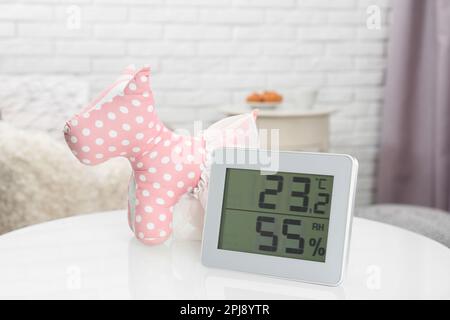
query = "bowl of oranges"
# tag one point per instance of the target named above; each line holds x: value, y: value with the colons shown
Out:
x: 265, y: 100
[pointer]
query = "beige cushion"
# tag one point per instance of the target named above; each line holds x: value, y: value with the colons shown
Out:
x: 41, y: 180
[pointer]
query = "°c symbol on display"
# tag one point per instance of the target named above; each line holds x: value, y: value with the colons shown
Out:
x: 322, y: 187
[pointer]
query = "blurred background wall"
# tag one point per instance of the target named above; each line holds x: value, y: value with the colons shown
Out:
x: 55, y: 55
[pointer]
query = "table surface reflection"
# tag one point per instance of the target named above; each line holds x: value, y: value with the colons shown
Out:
x: 96, y: 257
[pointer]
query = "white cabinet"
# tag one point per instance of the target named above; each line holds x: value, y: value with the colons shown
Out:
x: 306, y: 130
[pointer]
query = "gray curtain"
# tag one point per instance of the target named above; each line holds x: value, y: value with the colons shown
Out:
x: 414, y: 163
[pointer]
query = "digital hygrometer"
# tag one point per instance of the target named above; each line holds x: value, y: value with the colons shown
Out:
x: 294, y: 222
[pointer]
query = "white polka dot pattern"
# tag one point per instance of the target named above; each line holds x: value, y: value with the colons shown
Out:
x: 128, y: 126
x: 165, y: 165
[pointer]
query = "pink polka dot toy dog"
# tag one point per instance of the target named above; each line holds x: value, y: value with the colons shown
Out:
x: 122, y: 122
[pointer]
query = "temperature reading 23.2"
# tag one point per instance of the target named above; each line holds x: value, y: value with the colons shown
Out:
x: 302, y: 194
x: 284, y: 214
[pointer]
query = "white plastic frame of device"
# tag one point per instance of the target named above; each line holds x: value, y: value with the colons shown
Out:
x: 343, y: 168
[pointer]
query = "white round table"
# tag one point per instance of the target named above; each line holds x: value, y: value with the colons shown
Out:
x: 96, y: 257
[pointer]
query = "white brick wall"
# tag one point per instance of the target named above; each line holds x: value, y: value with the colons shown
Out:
x: 204, y: 53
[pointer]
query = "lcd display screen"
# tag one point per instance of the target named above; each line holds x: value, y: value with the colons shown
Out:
x: 283, y: 214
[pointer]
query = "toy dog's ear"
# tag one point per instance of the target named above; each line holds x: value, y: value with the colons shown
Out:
x: 130, y: 69
x: 139, y: 83
x: 255, y: 114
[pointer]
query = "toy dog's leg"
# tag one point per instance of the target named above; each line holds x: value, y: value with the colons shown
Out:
x: 131, y: 202
x: 152, y: 221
